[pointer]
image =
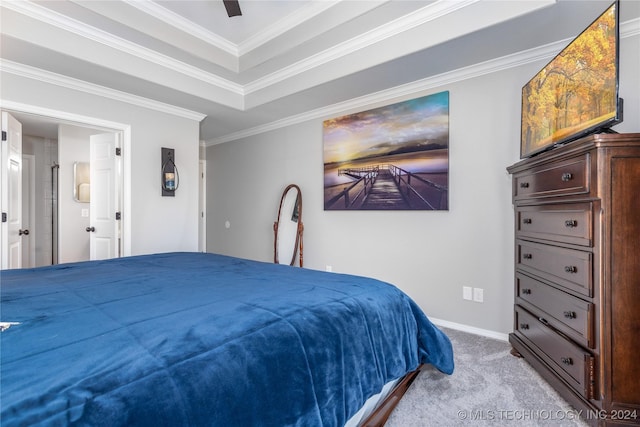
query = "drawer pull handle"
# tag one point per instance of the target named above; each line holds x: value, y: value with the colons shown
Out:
x: 543, y: 321
x: 524, y: 185
x: 526, y: 220
x: 526, y: 291
x: 527, y: 256
x: 571, y: 223
x: 567, y: 176
x: 571, y: 269
x: 524, y: 326
x: 567, y: 361
x: 570, y: 314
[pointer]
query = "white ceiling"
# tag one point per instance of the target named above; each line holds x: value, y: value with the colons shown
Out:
x: 281, y: 58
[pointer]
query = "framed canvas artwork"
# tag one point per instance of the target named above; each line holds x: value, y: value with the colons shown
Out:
x: 394, y: 157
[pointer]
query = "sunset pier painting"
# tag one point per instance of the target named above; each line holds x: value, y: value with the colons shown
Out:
x: 390, y: 158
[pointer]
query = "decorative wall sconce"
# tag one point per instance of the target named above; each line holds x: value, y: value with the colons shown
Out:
x: 170, y: 176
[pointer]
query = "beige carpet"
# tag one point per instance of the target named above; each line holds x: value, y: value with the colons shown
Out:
x: 489, y: 387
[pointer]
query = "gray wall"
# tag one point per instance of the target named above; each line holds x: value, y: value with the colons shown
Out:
x: 429, y: 255
x: 154, y: 223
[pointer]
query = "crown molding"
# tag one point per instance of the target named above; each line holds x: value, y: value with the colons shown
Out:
x: 275, y: 30
x: 169, y: 17
x: 286, y: 24
x: 419, y: 17
x: 546, y: 52
x: 399, y: 25
x: 630, y: 28
x: 404, y: 90
x: 48, y: 16
x: 38, y: 74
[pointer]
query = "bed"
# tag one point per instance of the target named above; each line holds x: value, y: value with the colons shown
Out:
x: 190, y: 339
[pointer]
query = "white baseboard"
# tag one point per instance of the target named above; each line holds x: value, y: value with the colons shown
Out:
x: 470, y: 329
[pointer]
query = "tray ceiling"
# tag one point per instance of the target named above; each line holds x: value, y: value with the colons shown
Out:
x: 280, y: 58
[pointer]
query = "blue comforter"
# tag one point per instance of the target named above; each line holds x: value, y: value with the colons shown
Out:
x: 189, y: 339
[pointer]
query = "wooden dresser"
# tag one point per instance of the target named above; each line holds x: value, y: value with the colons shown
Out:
x: 577, y: 273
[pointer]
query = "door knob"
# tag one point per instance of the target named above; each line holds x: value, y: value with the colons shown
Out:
x: 90, y: 229
x: 23, y: 232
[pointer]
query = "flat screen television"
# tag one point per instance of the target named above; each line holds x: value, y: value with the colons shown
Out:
x: 576, y: 94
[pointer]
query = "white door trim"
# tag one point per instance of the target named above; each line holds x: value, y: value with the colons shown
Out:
x: 28, y: 208
x: 202, y: 207
x: 107, y: 126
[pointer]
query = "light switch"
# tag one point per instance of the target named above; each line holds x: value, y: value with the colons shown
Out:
x: 84, y: 213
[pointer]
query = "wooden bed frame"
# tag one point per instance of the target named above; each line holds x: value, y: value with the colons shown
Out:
x: 381, y: 414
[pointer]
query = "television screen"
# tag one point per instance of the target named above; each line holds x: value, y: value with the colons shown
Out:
x: 577, y: 92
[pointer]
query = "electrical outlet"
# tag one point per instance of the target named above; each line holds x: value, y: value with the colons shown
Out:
x: 466, y: 293
x: 329, y: 268
x: 478, y: 294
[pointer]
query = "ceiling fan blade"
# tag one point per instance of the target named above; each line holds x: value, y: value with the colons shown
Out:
x: 233, y: 7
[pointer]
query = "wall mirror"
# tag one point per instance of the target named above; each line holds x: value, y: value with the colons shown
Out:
x: 81, y: 182
x: 288, y: 227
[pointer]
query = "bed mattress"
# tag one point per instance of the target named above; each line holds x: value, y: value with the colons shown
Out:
x: 202, y: 339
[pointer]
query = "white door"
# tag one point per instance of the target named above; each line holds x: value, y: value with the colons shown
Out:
x: 11, y: 159
x: 104, y: 226
x: 28, y: 211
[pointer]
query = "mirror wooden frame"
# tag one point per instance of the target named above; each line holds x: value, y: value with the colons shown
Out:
x: 289, y: 216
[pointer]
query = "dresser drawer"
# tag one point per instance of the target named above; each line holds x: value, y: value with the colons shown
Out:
x: 566, y: 313
x: 554, y: 179
x: 569, y: 268
x: 575, y: 365
x: 568, y: 223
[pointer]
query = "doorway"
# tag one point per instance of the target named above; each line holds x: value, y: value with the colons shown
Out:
x: 53, y: 145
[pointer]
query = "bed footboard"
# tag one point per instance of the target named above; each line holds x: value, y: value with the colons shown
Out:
x: 381, y: 414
